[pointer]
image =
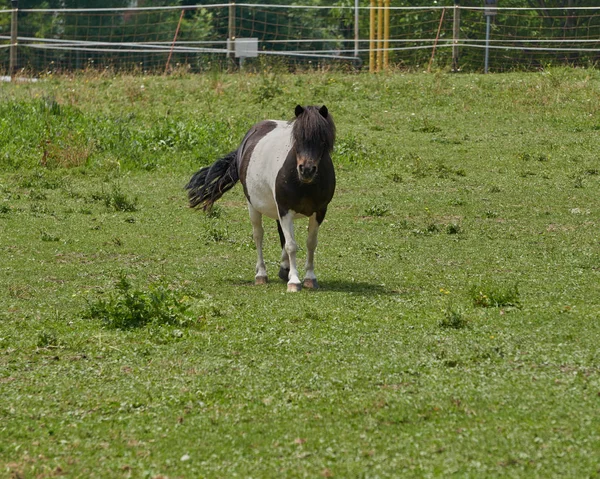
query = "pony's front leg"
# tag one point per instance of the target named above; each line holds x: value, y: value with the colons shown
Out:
x: 257, y: 234
x: 284, y: 266
x: 310, y: 280
x: 287, y: 226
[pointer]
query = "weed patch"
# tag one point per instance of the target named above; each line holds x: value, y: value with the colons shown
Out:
x: 37, y: 196
x: 116, y: 200
x: 216, y: 234
x: 41, y: 179
x: 48, y: 237
x: 127, y: 307
x: 269, y: 88
x: 444, y: 171
x: 492, y: 295
x: 418, y: 167
x: 215, y: 212
x: 350, y: 150
x: 453, y: 229
x: 425, y: 126
x: 541, y: 157
x: 453, y: 319
x: 47, y: 339
x: 67, y: 150
x: 378, y: 210
x: 395, y: 177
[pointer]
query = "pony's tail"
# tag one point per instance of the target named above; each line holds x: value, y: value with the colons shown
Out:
x: 211, y: 182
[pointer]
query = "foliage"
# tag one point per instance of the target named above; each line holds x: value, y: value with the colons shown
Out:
x: 380, y: 209
x: 127, y: 26
x: 116, y: 200
x: 127, y: 307
x: 490, y: 295
x: 453, y: 319
x: 46, y: 133
x: 47, y: 339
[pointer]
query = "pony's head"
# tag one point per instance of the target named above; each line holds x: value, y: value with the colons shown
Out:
x: 314, y: 134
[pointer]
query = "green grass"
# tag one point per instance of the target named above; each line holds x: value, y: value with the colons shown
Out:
x: 456, y: 331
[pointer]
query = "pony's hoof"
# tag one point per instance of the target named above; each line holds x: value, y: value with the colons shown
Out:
x: 311, y: 283
x: 294, y: 287
x: 284, y: 274
x: 260, y: 280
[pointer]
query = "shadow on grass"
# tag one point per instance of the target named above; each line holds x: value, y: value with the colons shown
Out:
x: 355, y: 287
x: 328, y: 286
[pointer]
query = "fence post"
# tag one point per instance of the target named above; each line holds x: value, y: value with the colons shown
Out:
x: 489, y: 11
x: 386, y: 34
x: 379, y: 37
x: 372, y: 29
x: 13, y: 40
x: 455, y: 35
x: 231, y: 39
x: 356, y: 29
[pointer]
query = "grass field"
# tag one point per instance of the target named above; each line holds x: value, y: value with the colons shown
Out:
x: 456, y: 332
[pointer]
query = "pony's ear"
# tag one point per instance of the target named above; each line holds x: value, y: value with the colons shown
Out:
x: 323, y: 111
x: 299, y: 110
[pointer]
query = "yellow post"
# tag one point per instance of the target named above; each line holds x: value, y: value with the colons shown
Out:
x: 372, y: 37
x: 386, y: 35
x: 380, y: 36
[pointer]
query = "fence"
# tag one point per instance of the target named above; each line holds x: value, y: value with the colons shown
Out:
x: 379, y: 34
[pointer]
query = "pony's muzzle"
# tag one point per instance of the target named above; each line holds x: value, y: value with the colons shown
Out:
x: 307, y: 173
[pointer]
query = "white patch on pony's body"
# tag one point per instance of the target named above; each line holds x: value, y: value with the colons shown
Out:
x: 267, y: 159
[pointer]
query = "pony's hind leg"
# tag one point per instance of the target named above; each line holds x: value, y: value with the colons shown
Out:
x: 310, y: 280
x: 284, y: 268
x: 287, y: 226
x: 257, y: 234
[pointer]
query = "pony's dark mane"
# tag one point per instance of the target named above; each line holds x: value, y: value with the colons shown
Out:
x: 312, y: 129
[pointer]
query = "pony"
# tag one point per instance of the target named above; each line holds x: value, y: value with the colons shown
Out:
x: 286, y: 171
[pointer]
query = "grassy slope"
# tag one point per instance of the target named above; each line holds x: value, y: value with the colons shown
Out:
x: 358, y: 379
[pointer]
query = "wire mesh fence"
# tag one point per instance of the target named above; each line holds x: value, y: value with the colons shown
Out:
x: 152, y: 39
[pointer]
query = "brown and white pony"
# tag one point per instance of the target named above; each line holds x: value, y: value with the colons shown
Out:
x: 287, y: 173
